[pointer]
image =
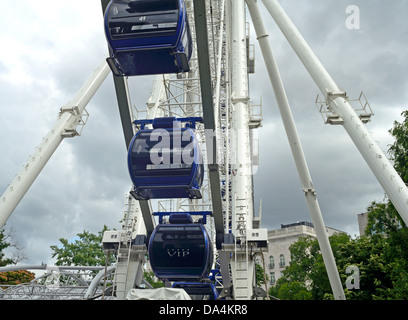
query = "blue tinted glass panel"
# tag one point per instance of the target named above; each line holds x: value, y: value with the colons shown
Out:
x: 139, y: 19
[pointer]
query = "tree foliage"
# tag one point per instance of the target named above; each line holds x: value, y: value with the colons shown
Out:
x: 399, y: 149
x: 4, y: 244
x: 16, y: 277
x: 260, y: 276
x: 382, y: 261
x: 85, y: 251
x: 305, y: 278
x: 150, y: 277
x: 12, y: 277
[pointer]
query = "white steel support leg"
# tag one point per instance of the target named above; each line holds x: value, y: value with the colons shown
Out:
x: 297, y: 151
x: 217, y: 99
x: 242, y: 167
x: 65, y: 126
x: 384, y: 171
x: 241, y: 180
x: 157, y: 96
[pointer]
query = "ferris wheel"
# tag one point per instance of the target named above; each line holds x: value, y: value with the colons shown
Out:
x: 191, y: 155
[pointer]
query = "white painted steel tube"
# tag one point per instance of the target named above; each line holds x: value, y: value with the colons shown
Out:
x: 219, y: 68
x: 241, y: 166
x: 242, y: 265
x: 297, y: 151
x: 32, y: 168
x: 381, y: 167
x: 301, y: 47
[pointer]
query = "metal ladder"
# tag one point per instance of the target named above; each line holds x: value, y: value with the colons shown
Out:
x: 242, y: 272
x: 129, y: 262
x: 242, y: 269
x: 121, y: 272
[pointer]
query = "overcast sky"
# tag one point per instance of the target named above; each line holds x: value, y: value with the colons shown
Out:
x: 49, y: 49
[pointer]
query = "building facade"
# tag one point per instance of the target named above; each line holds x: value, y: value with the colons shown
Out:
x: 278, y: 255
x: 362, y: 222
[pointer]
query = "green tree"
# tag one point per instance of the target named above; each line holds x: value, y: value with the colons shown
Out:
x: 294, y: 290
x: 86, y: 251
x: 12, y: 277
x: 385, y: 226
x: 306, y: 276
x: 381, y: 258
x: 399, y: 149
x: 260, y: 276
x: 150, y: 277
x: 4, y: 244
x: 389, y: 236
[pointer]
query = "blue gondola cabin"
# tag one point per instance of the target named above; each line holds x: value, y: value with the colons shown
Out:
x: 181, y: 250
x: 166, y: 162
x: 148, y: 37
